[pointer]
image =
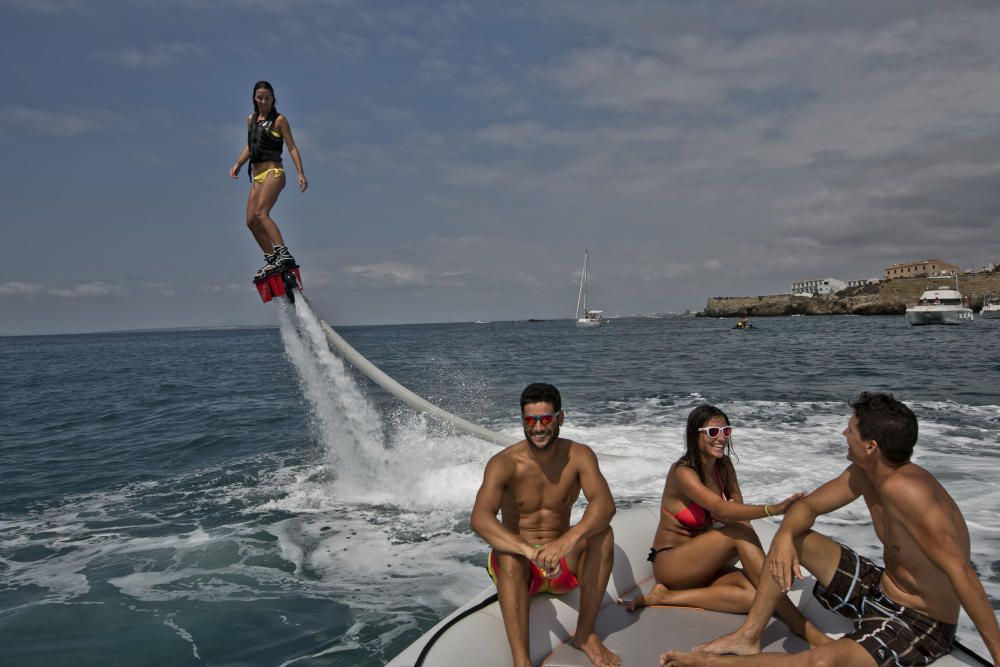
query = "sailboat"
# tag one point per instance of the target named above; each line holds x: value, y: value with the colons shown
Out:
x: 589, y: 318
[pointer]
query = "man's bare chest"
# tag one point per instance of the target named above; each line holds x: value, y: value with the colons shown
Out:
x: 534, y: 489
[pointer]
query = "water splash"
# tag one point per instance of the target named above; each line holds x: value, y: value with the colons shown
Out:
x: 346, y: 422
x: 402, y: 459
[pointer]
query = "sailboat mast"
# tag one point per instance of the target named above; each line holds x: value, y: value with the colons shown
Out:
x: 582, y: 295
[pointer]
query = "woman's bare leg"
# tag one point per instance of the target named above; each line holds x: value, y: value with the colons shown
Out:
x: 731, y: 593
x: 259, y: 204
x: 691, y: 567
x: 681, y: 578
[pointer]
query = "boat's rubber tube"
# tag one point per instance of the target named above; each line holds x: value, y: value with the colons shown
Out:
x: 356, y: 359
x: 444, y: 628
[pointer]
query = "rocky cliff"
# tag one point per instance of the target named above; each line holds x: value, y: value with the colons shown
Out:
x: 888, y: 298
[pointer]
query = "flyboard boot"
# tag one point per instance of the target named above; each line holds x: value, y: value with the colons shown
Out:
x: 279, y: 276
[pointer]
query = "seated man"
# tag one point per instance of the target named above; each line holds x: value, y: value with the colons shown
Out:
x: 904, y: 613
x: 533, y: 484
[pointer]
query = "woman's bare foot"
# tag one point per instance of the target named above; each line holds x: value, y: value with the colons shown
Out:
x: 597, y: 652
x: 735, y: 643
x: 637, y: 602
x: 659, y: 595
x: 678, y: 659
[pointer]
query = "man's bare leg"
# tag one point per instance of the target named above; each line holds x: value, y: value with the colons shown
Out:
x: 513, y: 573
x: 842, y: 653
x: 593, y: 573
x: 817, y: 553
x: 752, y: 557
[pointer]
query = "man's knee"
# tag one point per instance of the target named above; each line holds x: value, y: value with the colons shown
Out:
x: 835, y: 657
x: 742, y: 531
x: 815, y: 659
x: 510, y: 566
x: 603, y: 541
x: 819, y: 554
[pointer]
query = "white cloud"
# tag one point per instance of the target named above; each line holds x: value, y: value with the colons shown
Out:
x: 20, y: 289
x: 225, y: 288
x: 87, y: 290
x: 399, y: 275
x: 627, y: 81
x: 82, y: 291
x: 160, y: 55
x: 389, y: 274
x: 46, y: 7
x: 69, y: 123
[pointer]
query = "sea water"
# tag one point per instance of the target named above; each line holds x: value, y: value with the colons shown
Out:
x: 244, y: 497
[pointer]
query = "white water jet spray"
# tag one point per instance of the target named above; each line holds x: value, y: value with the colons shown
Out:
x: 347, y: 423
x: 424, y: 466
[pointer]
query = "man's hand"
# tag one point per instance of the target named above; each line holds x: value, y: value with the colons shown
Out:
x: 783, y: 562
x: 548, y: 555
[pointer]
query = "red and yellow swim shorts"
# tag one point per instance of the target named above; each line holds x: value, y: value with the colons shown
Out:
x: 562, y: 583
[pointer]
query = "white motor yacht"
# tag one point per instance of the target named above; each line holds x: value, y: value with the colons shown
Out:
x: 940, y: 305
x: 991, y: 308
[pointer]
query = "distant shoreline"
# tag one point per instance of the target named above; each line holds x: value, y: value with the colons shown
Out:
x: 887, y: 298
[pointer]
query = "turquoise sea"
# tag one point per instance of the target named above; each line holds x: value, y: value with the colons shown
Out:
x: 241, y: 497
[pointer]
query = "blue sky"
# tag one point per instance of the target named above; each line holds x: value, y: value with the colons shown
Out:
x: 462, y: 155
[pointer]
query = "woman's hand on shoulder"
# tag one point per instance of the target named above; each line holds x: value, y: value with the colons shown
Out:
x: 784, y: 505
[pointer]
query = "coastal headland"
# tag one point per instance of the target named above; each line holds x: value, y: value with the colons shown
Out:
x: 886, y: 298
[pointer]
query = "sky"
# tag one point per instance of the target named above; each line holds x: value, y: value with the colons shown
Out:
x: 463, y: 155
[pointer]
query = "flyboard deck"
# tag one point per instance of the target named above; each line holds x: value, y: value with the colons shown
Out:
x: 638, y: 638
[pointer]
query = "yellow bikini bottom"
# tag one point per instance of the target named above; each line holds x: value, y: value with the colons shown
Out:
x: 262, y: 176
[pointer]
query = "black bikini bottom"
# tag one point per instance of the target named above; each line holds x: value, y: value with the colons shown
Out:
x: 652, y: 553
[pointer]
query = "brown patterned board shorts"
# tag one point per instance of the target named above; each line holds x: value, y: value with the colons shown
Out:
x: 891, y: 633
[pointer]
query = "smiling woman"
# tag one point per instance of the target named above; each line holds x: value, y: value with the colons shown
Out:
x: 704, y: 525
x: 267, y: 132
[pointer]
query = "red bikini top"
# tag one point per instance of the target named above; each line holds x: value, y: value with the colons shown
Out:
x: 695, y: 516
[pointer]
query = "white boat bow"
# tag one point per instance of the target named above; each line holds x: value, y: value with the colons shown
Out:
x: 474, y: 633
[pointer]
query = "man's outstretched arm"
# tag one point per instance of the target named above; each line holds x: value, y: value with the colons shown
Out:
x: 783, y: 559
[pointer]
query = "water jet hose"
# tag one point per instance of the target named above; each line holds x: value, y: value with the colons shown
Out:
x: 402, y: 393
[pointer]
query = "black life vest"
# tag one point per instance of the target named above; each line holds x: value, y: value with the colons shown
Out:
x: 263, y: 139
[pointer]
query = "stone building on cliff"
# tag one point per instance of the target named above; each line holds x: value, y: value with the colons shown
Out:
x: 926, y: 267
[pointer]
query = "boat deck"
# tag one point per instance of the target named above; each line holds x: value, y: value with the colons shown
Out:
x: 638, y: 638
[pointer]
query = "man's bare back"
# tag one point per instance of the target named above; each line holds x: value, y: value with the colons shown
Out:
x: 910, y: 578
